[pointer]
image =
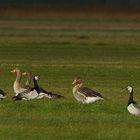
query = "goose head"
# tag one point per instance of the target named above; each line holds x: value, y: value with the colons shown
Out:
x: 36, y: 77
x: 77, y: 81
x: 29, y: 74
x: 130, y: 89
x: 15, y: 71
x: 26, y: 73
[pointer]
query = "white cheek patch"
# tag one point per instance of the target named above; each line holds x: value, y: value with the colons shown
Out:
x: 36, y: 78
x: 129, y: 88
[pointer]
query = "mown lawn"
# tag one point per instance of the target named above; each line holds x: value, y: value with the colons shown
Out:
x: 104, y: 51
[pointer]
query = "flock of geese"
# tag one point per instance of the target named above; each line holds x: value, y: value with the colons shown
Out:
x: 31, y: 90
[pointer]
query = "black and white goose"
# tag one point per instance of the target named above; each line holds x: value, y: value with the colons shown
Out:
x: 2, y: 94
x: 132, y: 106
x: 43, y: 93
x: 84, y: 94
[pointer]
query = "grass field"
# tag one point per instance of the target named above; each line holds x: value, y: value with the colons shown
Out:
x: 102, y: 49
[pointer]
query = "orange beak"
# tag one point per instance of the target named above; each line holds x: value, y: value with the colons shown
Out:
x: 74, y: 82
x: 13, y: 71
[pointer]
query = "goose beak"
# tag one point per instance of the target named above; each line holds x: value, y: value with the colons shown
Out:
x: 13, y: 71
x: 74, y: 82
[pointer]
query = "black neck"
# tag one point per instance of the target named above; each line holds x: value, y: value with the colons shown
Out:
x: 130, y: 100
x: 35, y: 83
x: 36, y: 87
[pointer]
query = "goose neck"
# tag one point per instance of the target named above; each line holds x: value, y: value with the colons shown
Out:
x: 130, y: 100
x: 18, y: 77
x: 29, y: 79
x: 76, y: 87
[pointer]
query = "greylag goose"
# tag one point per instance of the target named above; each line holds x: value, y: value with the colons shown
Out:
x: 28, y: 94
x: 22, y: 93
x: 29, y: 83
x: 84, y: 94
x: 43, y: 93
x: 2, y: 94
x: 132, y: 106
x: 17, y: 83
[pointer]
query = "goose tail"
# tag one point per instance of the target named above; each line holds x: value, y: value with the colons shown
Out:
x: 54, y: 95
x: 17, y: 97
x: 2, y: 97
x: 2, y: 92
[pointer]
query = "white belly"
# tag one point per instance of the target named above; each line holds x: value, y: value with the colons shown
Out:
x: 41, y: 95
x: 32, y: 95
x: 17, y: 91
x: 17, y: 88
x: 92, y: 99
x: 133, y: 110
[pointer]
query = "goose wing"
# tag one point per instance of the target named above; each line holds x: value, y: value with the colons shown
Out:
x: 136, y: 105
x: 40, y: 90
x: 54, y: 95
x: 21, y: 95
x: 27, y: 95
x: 89, y: 92
x: 50, y: 94
x: 43, y: 90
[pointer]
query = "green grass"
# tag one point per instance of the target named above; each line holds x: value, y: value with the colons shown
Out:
x: 105, y: 53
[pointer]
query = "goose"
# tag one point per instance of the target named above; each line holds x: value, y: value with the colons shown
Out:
x: 84, y: 94
x: 17, y: 83
x: 132, y: 106
x: 43, y: 93
x: 27, y: 94
x: 2, y: 94
x: 29, y: 83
